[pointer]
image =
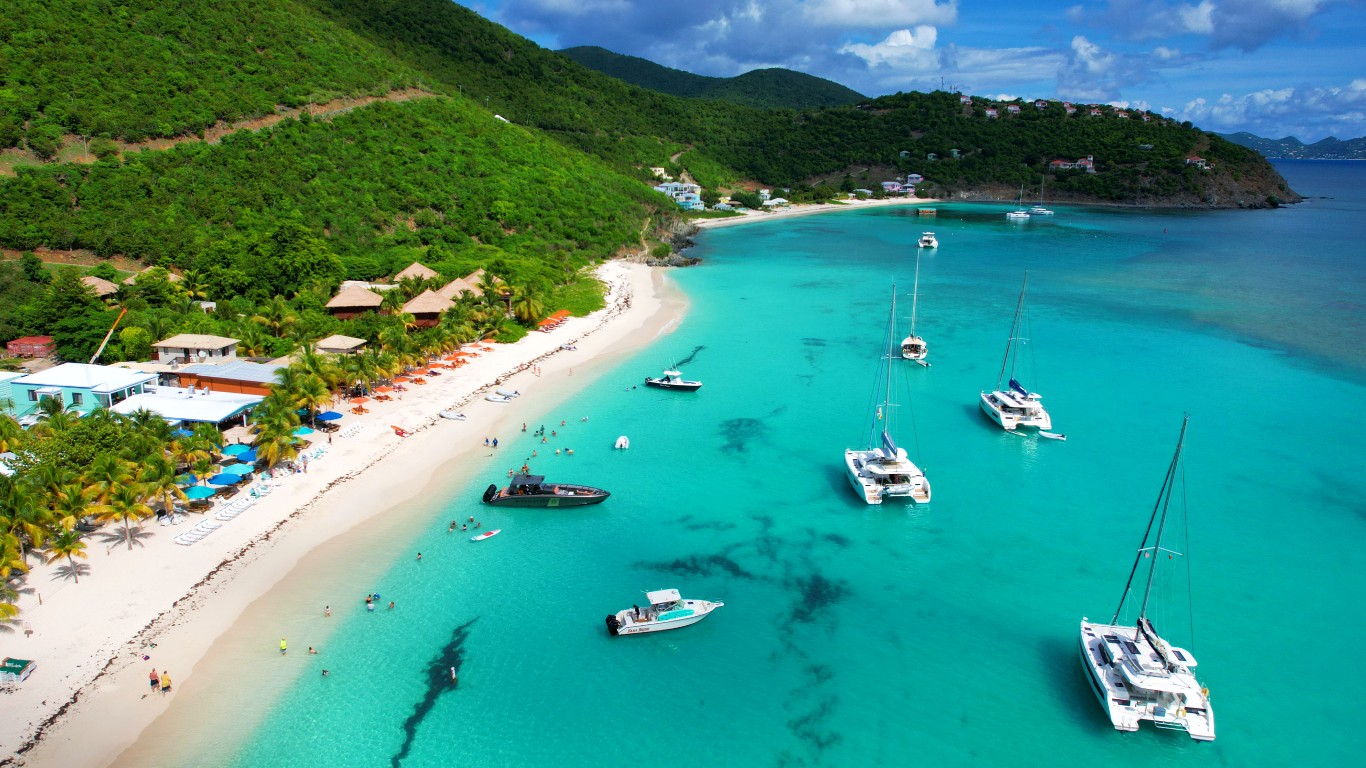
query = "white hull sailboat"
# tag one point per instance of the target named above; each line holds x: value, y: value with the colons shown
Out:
x: 914, y: 347
x: 884, y: 470
x: 1135, y: 673
x: 1013, y: 406
x: 1019, y: 214
x: 1040, y: 210
x: 928, y: 240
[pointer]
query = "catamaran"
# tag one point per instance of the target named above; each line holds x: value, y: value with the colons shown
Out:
x: 1019, y: 214
x: 913, y: 347
x: 1135, y: 673
x: 883, y: 469
x: 1040, y: 210
x: 1014, y: 406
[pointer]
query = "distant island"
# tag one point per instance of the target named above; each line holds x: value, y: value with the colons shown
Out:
x: 1291, y: 148
x: 760, y: 88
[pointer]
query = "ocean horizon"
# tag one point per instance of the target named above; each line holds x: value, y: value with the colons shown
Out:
x: 942, y: 634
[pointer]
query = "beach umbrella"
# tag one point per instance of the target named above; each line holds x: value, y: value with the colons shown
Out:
x: 239, y: 469
x: 199, y: 492
x: 359, y: 400
x: 181, y: 432
x: 235, y: 449
x: 247, y: 458
x: 384, y: 389
x: 401, y: 379
x: 303, y: 431
x: 223, y: 478
x: 184, y: 480
x: 329, y: 416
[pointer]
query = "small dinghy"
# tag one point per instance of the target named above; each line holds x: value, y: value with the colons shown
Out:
x: 508, y: 392
x: 622, y: 443
x: 487, y: 534
x: 494, y: 397
x: 452, y: 415
x: 1052, y: 435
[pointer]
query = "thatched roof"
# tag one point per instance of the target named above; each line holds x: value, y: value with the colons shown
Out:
x: 355, y: 297
x: 427, y: 303
x: 470, y: 282
x: 415, y: 270
x: 339, y: 343
x: 101, y: 286
x: 133, y: 278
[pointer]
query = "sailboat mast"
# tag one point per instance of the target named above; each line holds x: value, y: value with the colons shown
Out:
x: 891, y: 347
x: 1163, y: 503
x: 1014, y: 329
x: 915, y: 290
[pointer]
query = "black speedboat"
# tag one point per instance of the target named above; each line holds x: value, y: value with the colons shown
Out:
x: 673, y: 380
x: 534, y: 491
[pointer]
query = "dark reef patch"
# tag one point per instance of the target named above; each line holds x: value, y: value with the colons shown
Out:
x: 741, y: 432
x: 815, y: 594
x: 689, y: 358
x: 808, y: 727
x: 701, y: 565
x: 438, y: 675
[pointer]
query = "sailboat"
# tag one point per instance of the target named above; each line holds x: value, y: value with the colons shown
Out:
x: 913, y: 347
x: 1040, y: 210
x: 883, y: 469
x: 1135, y: 673
x: 1019, y: 214
x: 1014, y: 406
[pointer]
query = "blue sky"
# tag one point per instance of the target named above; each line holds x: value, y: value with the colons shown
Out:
x: 1272, y: 67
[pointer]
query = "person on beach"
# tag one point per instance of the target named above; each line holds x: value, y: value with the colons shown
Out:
x: 452, y: 528
x: 369, y: 606
x: 312, y: 651
x: 327, y: 611
x: 553, y: 433
x: 543, y: 440
x: 324, y: 673
x: 486, y: 442
x: 524, y: 426
x: 154, y: 679
x: 464, y: 527
x: 165, y: 682
x: 284, y: 647
x: 495, y: 442
x: 526, y: 469
x: 561, y: 424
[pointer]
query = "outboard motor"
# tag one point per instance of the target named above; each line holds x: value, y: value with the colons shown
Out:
x: 612, y: 624
x: 489, y: 493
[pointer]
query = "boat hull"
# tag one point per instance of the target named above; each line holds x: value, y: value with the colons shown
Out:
x: 993, y: 407
x: 1126, y: 707
x: 867, y: 486
x: 680, y: 386
x: 626, y: 623
x: 567, y: 496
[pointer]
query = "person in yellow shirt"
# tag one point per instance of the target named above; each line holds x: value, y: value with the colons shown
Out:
x: 165, y: 683
x: 283, y: 646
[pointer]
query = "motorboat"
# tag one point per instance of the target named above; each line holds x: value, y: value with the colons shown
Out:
x: 666, y: 610
x: 622, y: 443
x: 534, y: 491
x: 1135, y: 673
x: 1012, y: 406
x: 928, y: 240
x: 452, y: 415
x: 913, y: 347
x: 884, y: 470
x: 673, y: 380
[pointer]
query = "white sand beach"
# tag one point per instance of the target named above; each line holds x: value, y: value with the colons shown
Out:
x: 88, y: 702
x: 808, y: 209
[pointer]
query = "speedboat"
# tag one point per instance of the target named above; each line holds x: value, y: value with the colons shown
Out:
x: 673, y: 380
x: 928, y: 240
x: 533, y: 491
x: 667, y: 610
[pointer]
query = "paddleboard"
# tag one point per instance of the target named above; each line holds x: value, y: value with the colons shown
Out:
x: 486, y: 534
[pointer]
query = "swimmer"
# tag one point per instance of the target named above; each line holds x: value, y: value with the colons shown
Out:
x: 312, y: 651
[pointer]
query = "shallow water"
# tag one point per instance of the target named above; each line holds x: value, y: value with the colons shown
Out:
x: 896, y: 635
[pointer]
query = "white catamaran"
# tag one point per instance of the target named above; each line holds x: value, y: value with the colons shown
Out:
x: 883, y: 469
x: 1014, y: 406
x: 913, y: 347
x: 1135, y: 673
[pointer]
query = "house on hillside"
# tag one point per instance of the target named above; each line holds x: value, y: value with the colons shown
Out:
x: 1146, y: 117
x: 1121, y: 114
x: 688, y: 196
x: 964, y: 99
x: 1068, y: 108
x: 196, y: 348
x: 1087, y: 164
x: 103, y: 289
x: 241, y: 377
x: 415, y: 271
x: 1013, y: 109
x: 1095, y: 112
x: 31, y: 346
x: 991, y: 112
x: 350, y: 302
x: 914, y: 178
x: 1198, y: 162
x: 426, y: 308
x: 892, y: 187
x: 1040, y: 104
x: 79, y: 387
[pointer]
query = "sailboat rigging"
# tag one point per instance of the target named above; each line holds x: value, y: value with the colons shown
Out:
x: 1135, y: 673
x: 913, y: 347
x: 1014, y: 406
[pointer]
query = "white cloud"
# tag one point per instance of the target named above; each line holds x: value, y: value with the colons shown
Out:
x: 902, y: 49
x: 1243, y: 24
x: 878, y: 13
x: 1308, y: 112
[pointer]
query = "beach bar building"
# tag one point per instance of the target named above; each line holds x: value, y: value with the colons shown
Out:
x: 80, y: 387
x: 196, y: 348
x: 188, y: 405
x: 31, y: 346
x: 240, y: 376
x: 352, y: 301
x: 426, y: 308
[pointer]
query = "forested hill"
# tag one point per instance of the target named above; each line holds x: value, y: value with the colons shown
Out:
x: 764, y: 88
x: 561, y: 180
x: 1291, y: 148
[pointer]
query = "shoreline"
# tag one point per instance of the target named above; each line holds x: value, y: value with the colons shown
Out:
x: 85, y: 705
x: 810, y: 209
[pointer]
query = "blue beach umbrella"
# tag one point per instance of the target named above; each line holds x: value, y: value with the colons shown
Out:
x: 223, y: 478
x: 329, y: 416
x: 248, y: 457
x: 184, y: 480
x: 199, y: 492
x: 239, y: 469
x: 304, y: 431
x: 235, y: 448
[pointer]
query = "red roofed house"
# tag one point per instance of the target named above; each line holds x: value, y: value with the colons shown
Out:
x: 1095, y: 112
x: 1013, y: 109
x: 1040, y: 104
x: 1122, y: 115
x: 31, y: 346
x: 991, y: 112
x: 1198, y: 162
x: 964, y: 99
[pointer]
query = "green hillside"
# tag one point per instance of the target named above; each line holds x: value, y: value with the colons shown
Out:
x: 763, y: 88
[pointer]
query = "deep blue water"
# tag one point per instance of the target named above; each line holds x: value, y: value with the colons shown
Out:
x: 900, y: 635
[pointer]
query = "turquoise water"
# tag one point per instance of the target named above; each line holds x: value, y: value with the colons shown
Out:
x: 901, y: 635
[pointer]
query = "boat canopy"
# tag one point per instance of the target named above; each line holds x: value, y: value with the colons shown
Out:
x: 663, y: 597
x: 673, y: 374
x: 1015, y: 385
x: 527, y: 480
x: 889, y: 448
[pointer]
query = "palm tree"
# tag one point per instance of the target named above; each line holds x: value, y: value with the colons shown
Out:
x: 158, y: 479
x: 28, y: 518
x: 68, y: 544
x: 276, y: 315
x: 251, y: 340
x: 54, y: 418
x: 69, y: 503
x: 312, y: 395
x: 124, y: 505
x: 393, y: 300
x: 203, y: 468
x: 11, y: 434
x: 10, y: 558
x: 526, y: 305
x: 106, y: 475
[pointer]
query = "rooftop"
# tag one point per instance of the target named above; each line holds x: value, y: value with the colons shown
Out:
x: 355, y: 297
x: 415, y: 270
x: 241, y: 370
x: 427, y: 303
x: 96, y: 378
x: 196, y: 341
x: 337, y: 341
x: 177, y: 404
